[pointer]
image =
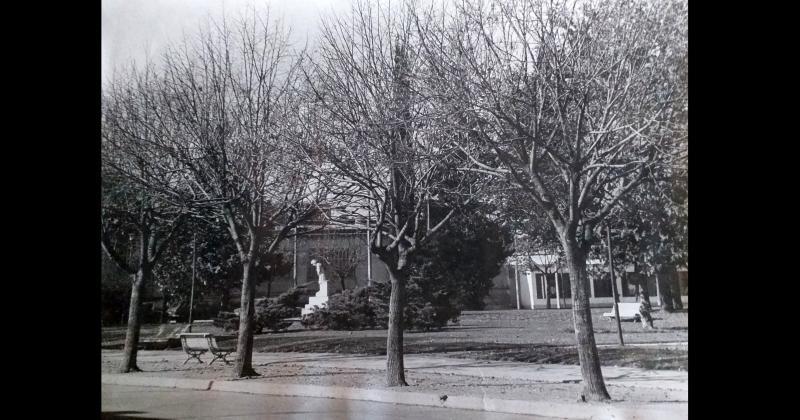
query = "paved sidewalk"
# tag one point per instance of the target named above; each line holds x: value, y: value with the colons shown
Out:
x: 545, y: 373
x: 166, y: 369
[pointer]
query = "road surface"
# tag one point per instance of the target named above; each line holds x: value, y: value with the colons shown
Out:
x: 131, y: 402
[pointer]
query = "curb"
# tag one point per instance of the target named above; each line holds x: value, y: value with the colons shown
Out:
x: 577, y: 411
x: 163, y: 382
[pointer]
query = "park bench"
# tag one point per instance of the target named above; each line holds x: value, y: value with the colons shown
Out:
x: 196, y: 344
x: 628, y: 311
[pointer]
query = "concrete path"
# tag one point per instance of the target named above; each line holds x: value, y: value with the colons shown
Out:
x: 129, y: 402
x: 675, y: 383
x: 546, y: 373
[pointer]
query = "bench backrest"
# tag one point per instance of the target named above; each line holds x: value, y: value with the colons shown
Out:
x: 212, y: 341
x: 195, y: 341
x: 628, y: 308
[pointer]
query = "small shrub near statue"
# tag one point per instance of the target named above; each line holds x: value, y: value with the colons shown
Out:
x: 368, y: 307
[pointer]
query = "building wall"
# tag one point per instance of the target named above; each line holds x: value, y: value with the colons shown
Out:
x: 531, y: 289
x: 306, y: 273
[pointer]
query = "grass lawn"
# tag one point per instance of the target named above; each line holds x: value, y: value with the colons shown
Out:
x: 537, y: 336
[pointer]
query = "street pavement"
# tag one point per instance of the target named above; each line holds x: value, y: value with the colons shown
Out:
x: 132, y: 402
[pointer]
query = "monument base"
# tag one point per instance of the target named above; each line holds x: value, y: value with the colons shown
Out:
x: 318, y: 300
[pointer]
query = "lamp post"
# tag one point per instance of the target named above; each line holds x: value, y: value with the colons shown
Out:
x: 294, y: 258
x: 191, y: 296
x: 614, y: 286
x: 516, y: 271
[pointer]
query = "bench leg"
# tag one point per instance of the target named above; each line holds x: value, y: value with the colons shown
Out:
x: 220, y: 357
x: 194, y: 356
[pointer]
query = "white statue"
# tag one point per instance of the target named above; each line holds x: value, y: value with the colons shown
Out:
x: 321, y: 298
x: 320, y: 270
x: 323, y: 281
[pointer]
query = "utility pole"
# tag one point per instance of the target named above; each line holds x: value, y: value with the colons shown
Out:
x: 191, y: 296
x: 369, y: 253
x: 614, y: 286
x: 294, y: 259
x: 516, y: 271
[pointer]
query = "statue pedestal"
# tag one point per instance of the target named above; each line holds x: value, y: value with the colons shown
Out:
x: 320, y: 299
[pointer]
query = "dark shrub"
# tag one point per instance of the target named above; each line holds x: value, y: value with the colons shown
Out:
x: 426, y: 308
x: 348, y: 310
x: 368, y: 307
x: 227, y: 320
x: 270, y: 313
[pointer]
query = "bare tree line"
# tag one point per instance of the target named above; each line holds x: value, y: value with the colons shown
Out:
x: 563, y: 107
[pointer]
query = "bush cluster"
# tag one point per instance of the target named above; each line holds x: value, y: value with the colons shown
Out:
x: 348, y: 310
x: 368, y: 307
x: 270, y: 313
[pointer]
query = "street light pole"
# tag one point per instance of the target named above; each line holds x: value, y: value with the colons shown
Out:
x: 294, y: 258
x: 614, y: 286
x: 191, y: 296
x: 516, y: 271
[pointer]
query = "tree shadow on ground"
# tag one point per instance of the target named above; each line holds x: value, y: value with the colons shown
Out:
x: 645, y: 358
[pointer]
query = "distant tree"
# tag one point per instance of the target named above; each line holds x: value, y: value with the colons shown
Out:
x: 217, y: 267
x: 465, y: 257
x: 341, y: 261
x: 270, y: 265
x: 115, y: 287
x: 650, y: 231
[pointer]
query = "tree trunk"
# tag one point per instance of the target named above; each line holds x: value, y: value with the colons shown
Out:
x: 546, y: 288
x: 675, y: 287
x: 225, y: 299
x: 395, y: 371
x: 594, y: 389
x: 134, y: 325
x: 161, y: 316
x: 645, y: 294
x: 244, y: 345
x: 221, y: 304
x: 664, y: 290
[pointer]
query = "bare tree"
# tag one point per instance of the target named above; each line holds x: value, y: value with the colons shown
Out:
x: 575, y: 102
x: 137, y: 195
x: 228, y: 98
x: 342, y: 261
x: 380, y: 142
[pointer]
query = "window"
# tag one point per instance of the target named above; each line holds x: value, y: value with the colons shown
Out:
x: 551, y: 285
x: 538, y: 280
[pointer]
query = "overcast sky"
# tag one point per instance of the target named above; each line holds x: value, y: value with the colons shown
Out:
x: 132, y: 29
